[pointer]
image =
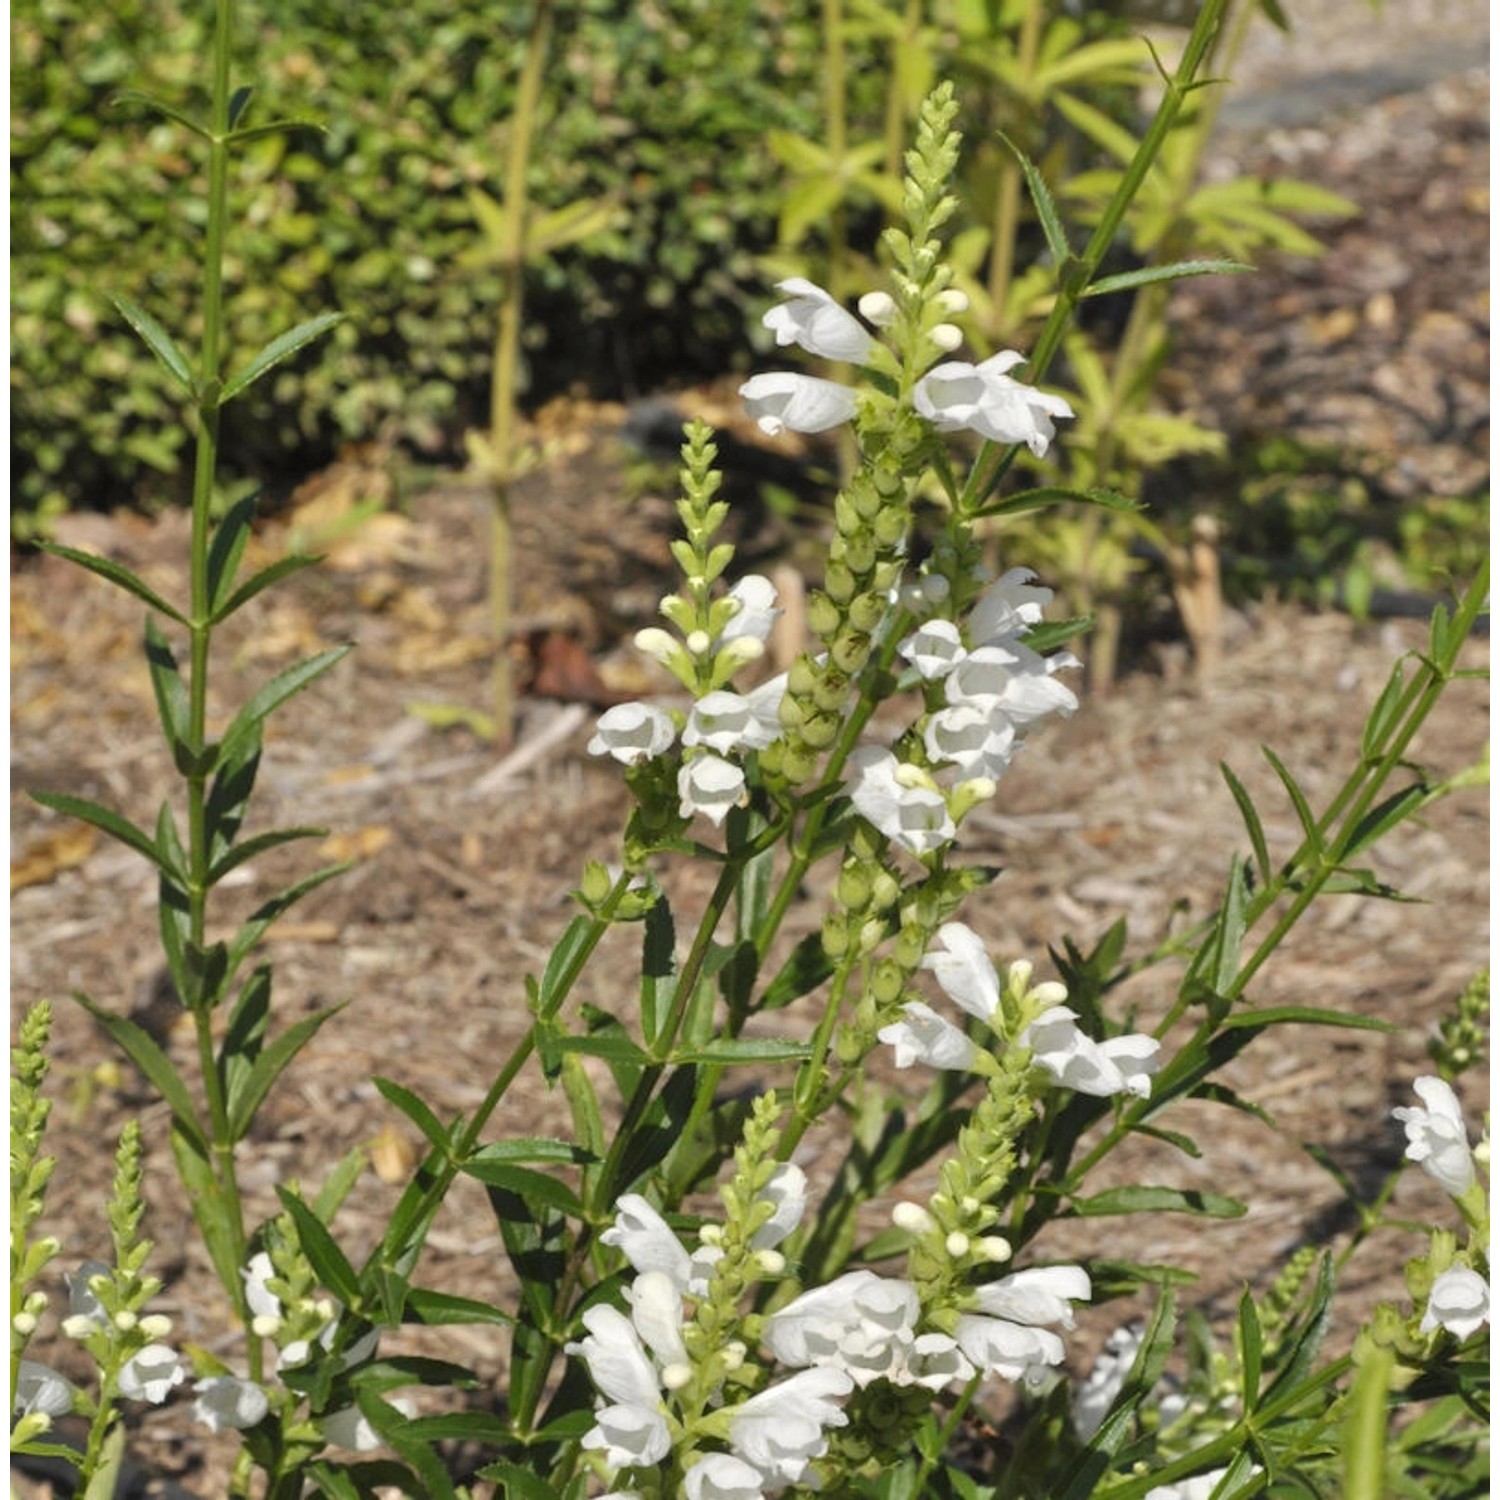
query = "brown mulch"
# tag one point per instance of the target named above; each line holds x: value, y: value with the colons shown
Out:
x: 461, y: 872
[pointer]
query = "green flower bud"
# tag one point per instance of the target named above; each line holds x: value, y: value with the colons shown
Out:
x: 829, y: 695
x: 888, y: 982
x: 850, y: 652
x: 596, y: 885
x: 868, y: 502
x: 859, y: 551
x: 803, y: 676
x: 840, y: 583
x: 835, y: 936
x: 800, y: 765
x: 890, y: 526
x: 820, y: 730
x: 884, y: 890
x: 823, y: 615
x: 853, y: 887
x: 866, y: 612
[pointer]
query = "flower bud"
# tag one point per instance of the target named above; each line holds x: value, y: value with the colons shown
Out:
x: 835, y: 936
x: 265, y: 1325
x: 993, y: 1247
x: 125, y: 1320
x: 78, y: 1326
x: 675, y: 1376
x: 655, y: 642
x: 156, y: 1326
x: 889, y: 527
x: 770, y: 1262
x: 799, y: 766
x: 820, y: 730
x: 912, y: 1217
x: 859, y: 548
x: 946, y: 337
x: 866, y: 612
x: 850, y: 652
x: 888, y: 981
x: 853, y: 887
x: 24, y: 1324
x: 957, y: 1244
x: 877, y: 309
x: 953, y: 301
x: 840, y: 583
x: 823, y: 617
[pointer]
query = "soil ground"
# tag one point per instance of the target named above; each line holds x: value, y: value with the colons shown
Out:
x: 463, y: 858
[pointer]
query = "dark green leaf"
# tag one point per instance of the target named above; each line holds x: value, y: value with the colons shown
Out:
x: 570, y: 945
x: 1177, y: 271
x: 1304, y: 812
x: 274, y: 572
x: 394, y: 1427
x: 461, y: 1426
x: 806, y: 967
x: 283, y: 346
x: 1252, y: 821
x: 614, y: 1047
x: 211, y: 1208
x: 1251, y: 1344
x: 250, y: 932
x: 1304, y: 1015
x: 239, y: 102
x: 1166, y: 1200
x: 139, y: 1047
x: 248, y: 1020
x: 1046, y: 210
x: 1379, y: 820
x: 1218, y: 1093
x: 271, y: 1064
x: 1346, y: 882
x: 167, y: 685
x: 229, y: 794
x: 112, y: 824
x: 1184, y: 1143
x: 157, y: 340
x: 535, y: 1188
x: 120, y: 576
x: 1056, y: 494
x: 228, y: 547
x: 241, y: 853
x: 150, y: 101
x: 1229, y: 930
x: 327, y: 1260
x: 519, y: 1483
x: 1309, y: 1339
x: 415, y: 1111
x: 535, y: 1148
x: 1382, y: 718
x: 252, y: 714
x: 744, y: 1050
x: 276, y: 127
x: 435, y: 1309
x: 658, y: 968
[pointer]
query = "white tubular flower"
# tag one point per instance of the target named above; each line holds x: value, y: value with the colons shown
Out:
x: 647, y: 1241
x: 984, y: 399
x: 226, y: 1401
x: 1005, y: 1338
x: 83, y: 1300
x: 878, y: 309
x: 1007, y: 608
x: 765, y: 704
x: 1009, y: 1350
x: 963, y: 969
x: 1436, y: 1138
x: 151, y: 1374
x: 756, y: 597
x: 633, y: 1430
x: 779, y: 400
x: 1198, y: 1487
x: 351, y: 1429
x: 861, y: 1323
x: 1041, y: 1294
x: 1095, y: 1396
x: 899, y: 801
x: 816, y: 322
x: 936, y: 1361
x: 787, y: 1190
x: 40, y: 1389
x: 1019, y: 682
x: 656, y: 1315
x: 629, y: 1436
x: 722, y: 1476
x: 261, y: 1300
x: 934, y: 650
x: 726, y: 721
x: 1459, y: 1301
x: 925, y: 1037
x: 780, y: 1431
x: 1121, y: 1065
x: 632, y: 732
x: 977, y: 738
x: 710, y: 785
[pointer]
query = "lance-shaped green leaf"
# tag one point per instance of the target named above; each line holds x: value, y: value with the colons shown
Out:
x: 139, y: 1046
x: 519, y: 1484
x: 535, y: 1188
x: 1379, y: 820
x: 658, y: 968
x: 251, y: 932
x: 1046, y: 209
x: 394, y: 1429
x: 120, y: 576
x: 729, y: 1050
x: 114, y: 825
x: 212, y: 1210
x: 549, y: 232
x: 122, y: 100
x: 229, y: 793
x: 157, y: 340
x: 1157, y: 1200
x: 417, y: 1111
x: 1229, y: 930
x: 167, y: 685
x: 274, y: 572
x: 330, y: 1263
x: 275, y: 127
x: 1056, y: 494
x: 1251, y: 1343
x: 283, y: 346
x: 253, y: 1086
x: 228, y: 546
x: 1299, y: 800
x: 436, y: 1309
x: 1178, y: 270
x: 806, y: 967
x: 251, y: 848
x: 252, y: 715
x: 1364, y: 1440
x: 1252, y: 821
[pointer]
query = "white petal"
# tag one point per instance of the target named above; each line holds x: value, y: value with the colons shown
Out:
x: 630, y: 1435
x: 925, y: 1037
x: 617, y: 1362
x: 963, y: 968
x: 225, y: 1401
x: 1041, y: 1294
x: 787, y: 1190
x: 709, y: 785
x: 813, y: 319
x: 722, y: 1476
x: 756, y: 597
x: 632, y: 732
x: 647, y: 1240
x: 1459, y: 1301
x: 151, y: 1374
x: 656, y: 1314
x: 780, y: 399
x: 41, y: 1389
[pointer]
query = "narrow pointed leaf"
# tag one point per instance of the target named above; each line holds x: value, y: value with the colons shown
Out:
x: 392, y: 1426
x: 1046, y: 209
x: 1229, y: 930
x: 1251, y: 1345
x: 111, y: 823
x: 1382, y: 717
x: 276, y: 127
x: 565, y: 226
x: 416, y: 1111
x: 251, y: 932
x: 658, y: 968
x: 1252, y: 821
x: 534, y: 1188
x: 1056, y: 494
x: 120, y: 576
x: 125, y: 97
x: 434, y: 1309
x: 229, y: 794
x: 1365, y: 1444
x: 139, y: 1046
x: 157, y: 340
x: 270, y: 1065
x: 281, y: 687
x: 283, y: 346
x: 1299, y: 801
x: 228, y: 547
x: 1381, y: 819
x: 728, y: 1050
x: 1167, y: 1200
x: 1178, y: 270
x: 166, y: 684
x: 273, y: 573
x: 250, y: 848
x: 211, y: 1209
x: 330, y: 1263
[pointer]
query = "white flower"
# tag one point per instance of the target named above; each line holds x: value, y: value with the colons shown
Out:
x: 756, y: 597
x: 726, y: 721
x: 936, y: 1361
x: 973, y: 736
x: 1436, y: 1138
x: 633, y: 1430
x: 647, y: 1241
x: 780, y: 399
x: 900, y: 801
x: 630, y: 1435
x: 1042, y: 1294
x: 1198, y: 1487
x: 350, y: 1428
x: 1121, y: 1065
x: 924, y: 1036
x: 1008, y: 1350
x: 39, y: 1389
x: 1016, y: 680
x: 1459, y: 1301
x: 878, y: 309
x: 631, y: 732
x: 984, y: 399
x: 151, y: 1374
x: 861, y: 1323
x: 1007, y: 608
x: 1005, y: 1337
x: 1093, y: 1399
x: 722, y: 1476
x: 261, y: 1300
x: 83, y: 1300
x: 963, y: 969
x: 783, y: 1429
x: 934, y: 649
x: 814, y: 320
x: 787, y: 1191
x: 225, y: 1401
x: 710, y: 785
x: 656, y: 1315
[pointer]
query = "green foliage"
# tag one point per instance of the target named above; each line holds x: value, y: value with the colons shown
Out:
x: 662, y: 111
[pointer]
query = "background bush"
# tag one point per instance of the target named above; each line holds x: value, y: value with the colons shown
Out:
x: 666, y: 106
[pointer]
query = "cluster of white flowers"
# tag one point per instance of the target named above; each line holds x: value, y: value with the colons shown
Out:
x: 1119, y: 1065
x: 953, y: 396
x: 720, y: 724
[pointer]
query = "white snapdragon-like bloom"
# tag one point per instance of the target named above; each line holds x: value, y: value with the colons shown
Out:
x: 934, y: 649
x: 710, y: 785
x: 974, y: 737
x: 41, y: 1389
x: 656, y: 1315
x: 984, y: 399
x: 780, y: 400
x: 726, y: 722
x: 861, y: 1323
x: 1197, y: 1487
x: 1459, y: 1301
x: 85, y: 1310
x: 151, y: 1374
x: 756, y: 596
x: 962, y: 967
x: 1009, y: 607
x: 222, y: 1402
x: 900, y: 801
x: 1120, y: 1065
x: 632, y: 1429
x: 722, y: 1476
x: 780, y: 1431
x: 787, y: 1193
x: 1436, y: 1138
x: 925, y: 1037
x: 1095, y: 1396
x: 1014, y: 680
x: 1006, y: 1337
x: 648, y: 1242
x: 813, y: 319
x: 633, y: 732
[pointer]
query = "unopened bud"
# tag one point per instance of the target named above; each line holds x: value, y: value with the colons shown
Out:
x: 654, y: 642
x: 265, y: 1325
x: 946, y: 337
x: 866, y: 612
x: 734, y: 1354
x: 823, y: 617
x: 770, y: 1262
x: 78, y: 1326
x: 698, y: 642
x: 125, y: 1320
x: 24, y: 1323
x: 156, y: 1325
x: 675, y: 1376
x: 877, y: 308
x: 993, y: 1247
x: 957, y: 1244
x: 953, y: 301
x: 912, y: 1217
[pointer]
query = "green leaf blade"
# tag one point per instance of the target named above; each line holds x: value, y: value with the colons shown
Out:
x: 283, y: 346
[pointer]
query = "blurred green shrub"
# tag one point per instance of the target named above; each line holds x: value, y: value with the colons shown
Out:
x: 668, y: 106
